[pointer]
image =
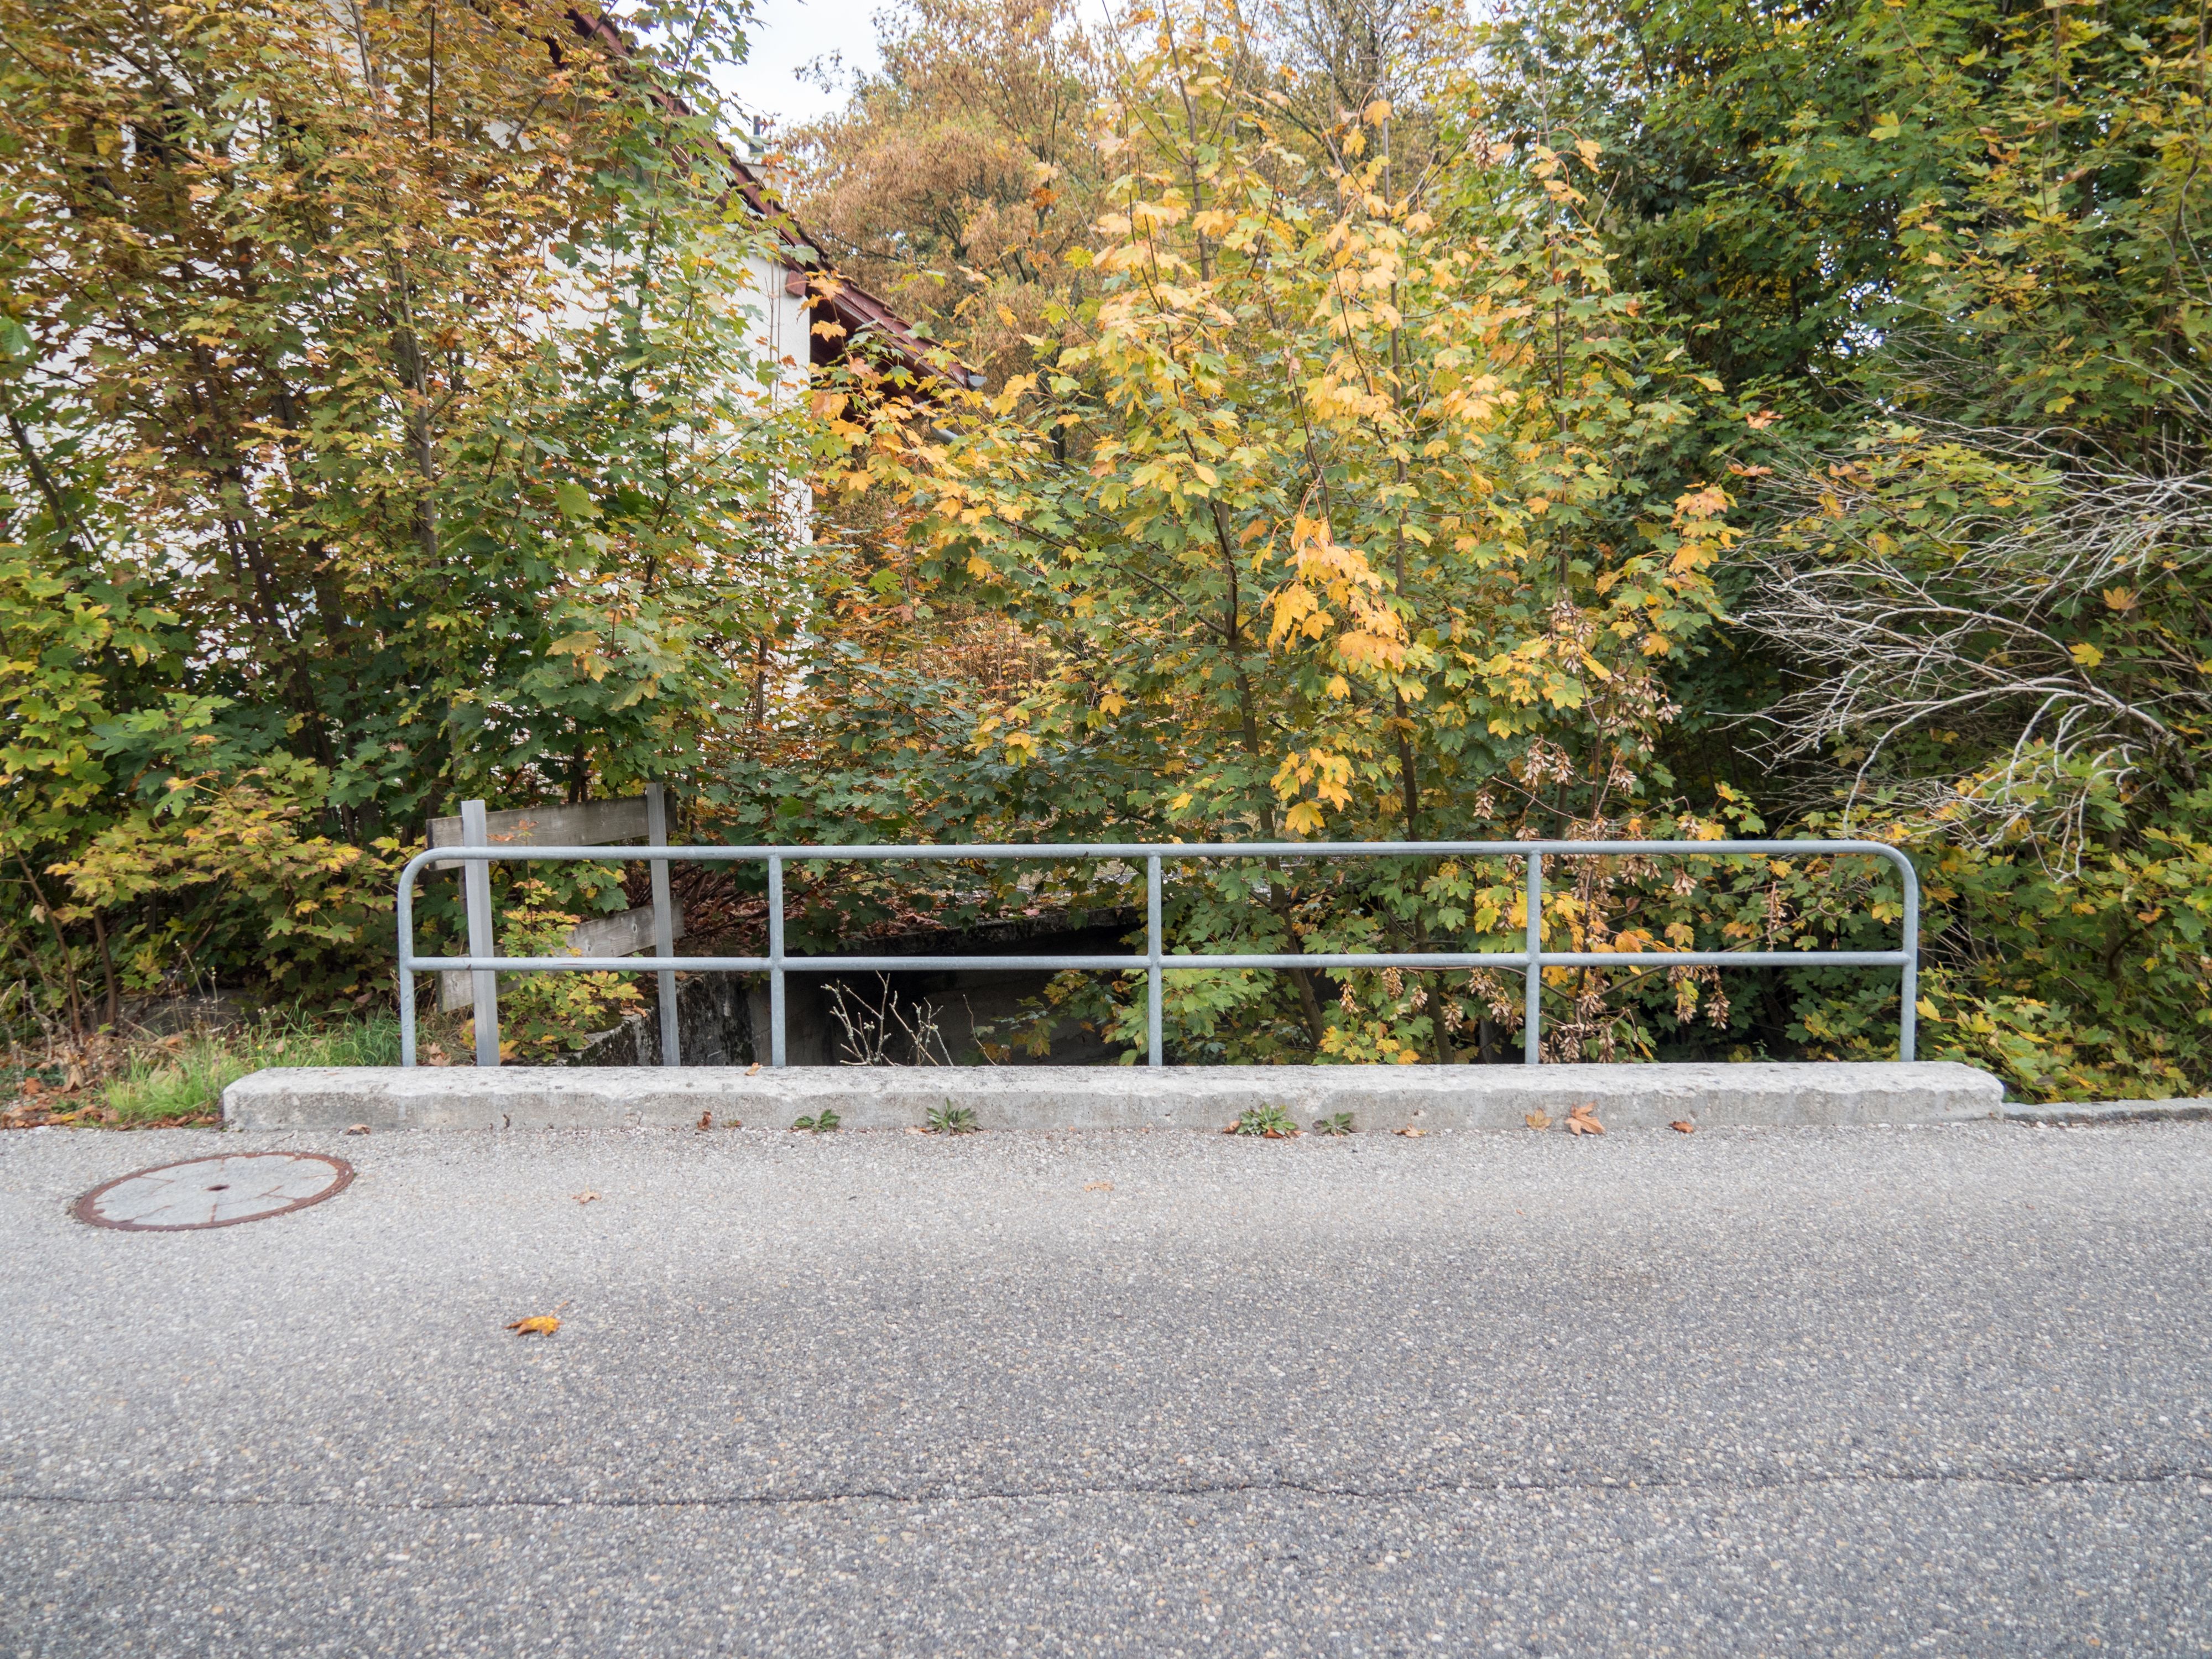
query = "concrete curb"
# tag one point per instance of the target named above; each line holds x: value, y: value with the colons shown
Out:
x: 1111, y: 1097
x: 2082, y: 1115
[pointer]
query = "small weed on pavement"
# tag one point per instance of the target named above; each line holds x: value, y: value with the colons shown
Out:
x: 821, y: 1125
x: 951, y: 1119
x: 1340, y: 1124
x: 1272, y: 1121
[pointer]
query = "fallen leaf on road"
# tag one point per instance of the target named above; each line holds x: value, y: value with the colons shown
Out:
x: 358, y: 1130
x: 1683, y: 1125
x: 1582, y: 1121
x: 1097, y: 1186
x: 585, y: 1197
x: 1413, y: 1134
x: 1537, y: 1119
x: 706, y: 1120
x: 536, y: 1325
x: 751, y: 1069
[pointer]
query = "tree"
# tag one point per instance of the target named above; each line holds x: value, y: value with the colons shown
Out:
x: 1951, y: 253
x: 383, y: 427
x: 1322, y: 521
x: 960, y: 175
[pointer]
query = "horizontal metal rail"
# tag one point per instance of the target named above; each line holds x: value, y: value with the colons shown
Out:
x: 1531, y: 960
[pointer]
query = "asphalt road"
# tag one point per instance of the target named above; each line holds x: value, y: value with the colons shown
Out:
x: 1934, y: 1391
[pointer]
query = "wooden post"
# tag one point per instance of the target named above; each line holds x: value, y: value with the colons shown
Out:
x: 664, y: 923
x: 483, y: 940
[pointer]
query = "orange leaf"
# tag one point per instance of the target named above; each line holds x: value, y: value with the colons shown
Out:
x: 536, y: 1325
x: 1097, y: 1186
x: 1538, y: 1119
x: 706, y: 1120
x: 1684, y: 1127
x: 1413, y: 1134
x: 585, y: 1197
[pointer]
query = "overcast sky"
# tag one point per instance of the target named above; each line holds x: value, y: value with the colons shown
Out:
x: 789, y: 35
x: 786, y: 36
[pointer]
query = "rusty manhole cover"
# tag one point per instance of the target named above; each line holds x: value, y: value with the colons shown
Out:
x: 213, y: 1192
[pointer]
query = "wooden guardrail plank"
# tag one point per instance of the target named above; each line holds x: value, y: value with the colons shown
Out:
x: 594, y: 824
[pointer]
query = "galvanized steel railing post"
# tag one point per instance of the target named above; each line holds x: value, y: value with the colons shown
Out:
x: 775, y: 960
x: 1152, y: 961
x: 1907, y: 1023
x: 1531, y: 1040
x: 406, y: 924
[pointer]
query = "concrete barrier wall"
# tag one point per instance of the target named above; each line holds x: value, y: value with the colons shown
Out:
x: 1109, y: 1097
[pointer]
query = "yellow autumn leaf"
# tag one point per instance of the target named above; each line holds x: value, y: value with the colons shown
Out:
x: 536, y: 1325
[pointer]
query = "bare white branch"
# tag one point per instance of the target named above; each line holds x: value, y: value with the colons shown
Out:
x: 1968, y: 627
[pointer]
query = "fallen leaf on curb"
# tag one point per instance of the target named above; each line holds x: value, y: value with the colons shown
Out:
x: 585, y: 1197
x: 751, y: 1069
x: 734, y: 1123
x: 536, y: 1325
x: 1582, y: 1121
x: 1413, y: 1134
x: 1683, y: 1126
x: 1538, y: 1119
x: 706, y: 1120
x: 358, y: 1130
x: 1097, y: 1186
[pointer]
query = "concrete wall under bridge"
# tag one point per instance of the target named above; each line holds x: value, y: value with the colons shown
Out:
x: 1378, y: 1097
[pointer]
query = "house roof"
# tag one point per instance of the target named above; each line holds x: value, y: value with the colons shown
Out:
x: 861, y: 315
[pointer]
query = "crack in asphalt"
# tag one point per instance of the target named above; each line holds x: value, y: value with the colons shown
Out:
x: 2021, y: 1478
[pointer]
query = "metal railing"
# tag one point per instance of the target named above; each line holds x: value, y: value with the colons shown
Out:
x: 1532, y: 959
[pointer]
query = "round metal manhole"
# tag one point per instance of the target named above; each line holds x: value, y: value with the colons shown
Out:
x: 213, y: 1192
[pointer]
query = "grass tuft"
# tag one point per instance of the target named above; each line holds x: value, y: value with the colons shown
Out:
x: 181, y: 1079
